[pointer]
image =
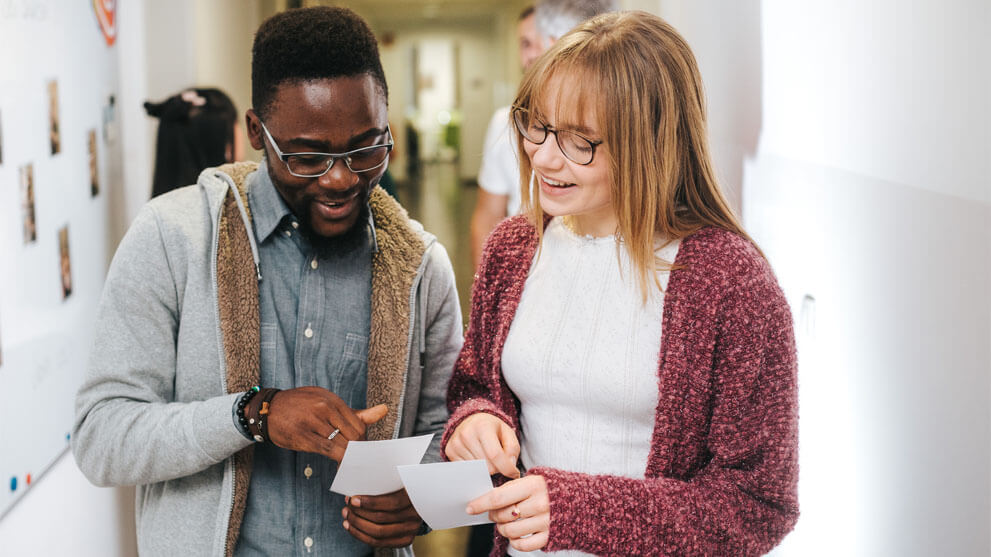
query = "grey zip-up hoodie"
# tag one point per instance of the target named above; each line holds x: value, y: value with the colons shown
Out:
x: 177, y: 340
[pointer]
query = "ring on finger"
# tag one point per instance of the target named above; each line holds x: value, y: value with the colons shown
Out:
x: 333, y: 434
x: 515, y: 511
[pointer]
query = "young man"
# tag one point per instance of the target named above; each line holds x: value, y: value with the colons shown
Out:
x: 539, y: 27
x: 299, y: 275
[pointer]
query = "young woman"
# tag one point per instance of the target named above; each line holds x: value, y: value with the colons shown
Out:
x: 629, y: 348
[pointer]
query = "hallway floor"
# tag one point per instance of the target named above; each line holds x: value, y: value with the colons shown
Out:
x: 443, y: 204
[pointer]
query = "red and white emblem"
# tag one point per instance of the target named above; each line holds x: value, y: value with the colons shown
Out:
x: 106, y: 15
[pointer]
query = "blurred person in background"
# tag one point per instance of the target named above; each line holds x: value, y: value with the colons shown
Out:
x: 498, y: 192
x: 197, y: 129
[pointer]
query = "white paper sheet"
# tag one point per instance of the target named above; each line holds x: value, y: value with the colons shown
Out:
x: 369, y: 467
x: 441, y: 491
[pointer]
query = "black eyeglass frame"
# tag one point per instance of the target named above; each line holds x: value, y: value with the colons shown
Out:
x: 333, y: 157
x: 517, y: 111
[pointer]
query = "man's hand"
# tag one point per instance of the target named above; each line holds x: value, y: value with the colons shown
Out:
x: 302, y: 419
x: 382, y: 520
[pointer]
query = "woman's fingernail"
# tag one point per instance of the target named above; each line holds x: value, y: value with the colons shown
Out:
x: 469, y: 509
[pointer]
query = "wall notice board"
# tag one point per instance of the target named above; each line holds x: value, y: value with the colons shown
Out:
x: 59, y: 157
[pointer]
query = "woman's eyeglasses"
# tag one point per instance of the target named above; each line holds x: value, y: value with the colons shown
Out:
x: 576, y: 147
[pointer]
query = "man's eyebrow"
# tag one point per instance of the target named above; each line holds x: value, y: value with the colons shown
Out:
x: 324, y: 147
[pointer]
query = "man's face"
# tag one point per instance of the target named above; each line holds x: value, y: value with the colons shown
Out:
x: 530, y: 44
x: 325, y: 116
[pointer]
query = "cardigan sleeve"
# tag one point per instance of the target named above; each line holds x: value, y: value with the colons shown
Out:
x: 743, y: 499
x: 477, y: 384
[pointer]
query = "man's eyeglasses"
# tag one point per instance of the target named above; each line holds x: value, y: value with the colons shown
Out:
x: 312, y: 165
x: 578, y: 148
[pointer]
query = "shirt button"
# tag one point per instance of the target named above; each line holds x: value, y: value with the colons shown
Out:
x: 308, y: 333
x: 288, y: 233
x: 308, y: 471
x: 295, y: 224
x: 308, y: 542
x: 313, y: 264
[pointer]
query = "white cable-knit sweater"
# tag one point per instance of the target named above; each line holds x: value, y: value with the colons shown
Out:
x: 582, y: 355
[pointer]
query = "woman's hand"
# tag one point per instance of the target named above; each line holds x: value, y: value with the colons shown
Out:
x: 485, y: 437
x: 521, y: 510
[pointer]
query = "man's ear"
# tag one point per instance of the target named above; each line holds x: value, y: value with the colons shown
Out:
x: 254, y: 126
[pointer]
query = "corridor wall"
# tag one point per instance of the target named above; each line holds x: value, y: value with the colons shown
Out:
x: 60, y: 165
x: 161, y: 47
x: 858, y: 134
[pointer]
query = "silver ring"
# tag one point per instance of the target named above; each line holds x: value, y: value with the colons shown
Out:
x: 334, y: 434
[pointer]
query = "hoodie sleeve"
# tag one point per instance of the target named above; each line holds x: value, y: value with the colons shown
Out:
x: 442, y: 339
x: 128, y: 429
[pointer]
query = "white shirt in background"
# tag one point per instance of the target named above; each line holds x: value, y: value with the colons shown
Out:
x: 500, y: 170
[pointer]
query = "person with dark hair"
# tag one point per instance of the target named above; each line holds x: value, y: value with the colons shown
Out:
x: 197, y: 129
x: 254, y: 324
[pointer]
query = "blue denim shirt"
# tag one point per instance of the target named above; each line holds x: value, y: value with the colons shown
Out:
x: 315, y: 314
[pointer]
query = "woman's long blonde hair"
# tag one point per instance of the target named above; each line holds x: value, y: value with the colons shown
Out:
x: 640, y: 79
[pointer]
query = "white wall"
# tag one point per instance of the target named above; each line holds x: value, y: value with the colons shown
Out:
x: 869, y: 192
x: 161, y: 48
x: 60, y: 512
x: 725, y: 37
x: 868, y: 188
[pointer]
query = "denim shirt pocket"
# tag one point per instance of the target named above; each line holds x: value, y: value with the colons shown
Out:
x: 350, y: 378
x: 269, y: 347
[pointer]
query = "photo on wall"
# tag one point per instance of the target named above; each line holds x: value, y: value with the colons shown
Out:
x: 27, y: 203
x: 65, y: 265
x: 94, y: 166
x: 54, y: 137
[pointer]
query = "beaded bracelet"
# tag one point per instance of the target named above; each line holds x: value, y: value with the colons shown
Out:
x: 242, y: 403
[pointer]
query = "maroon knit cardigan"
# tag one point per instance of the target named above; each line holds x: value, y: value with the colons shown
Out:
x: 721, y: 476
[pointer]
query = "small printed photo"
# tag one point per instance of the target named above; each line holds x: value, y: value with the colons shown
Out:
x: 94, y: 166
x: 53, y: 119
x: 65, y: 264
x: 27, y: 203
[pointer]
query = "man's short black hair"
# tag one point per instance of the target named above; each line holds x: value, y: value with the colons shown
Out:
x: 304, y: 44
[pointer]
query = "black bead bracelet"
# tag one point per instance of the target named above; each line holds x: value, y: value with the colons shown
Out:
x: 243, y: 420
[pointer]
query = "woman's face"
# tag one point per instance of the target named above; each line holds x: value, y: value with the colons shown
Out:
x: 565, y: 187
